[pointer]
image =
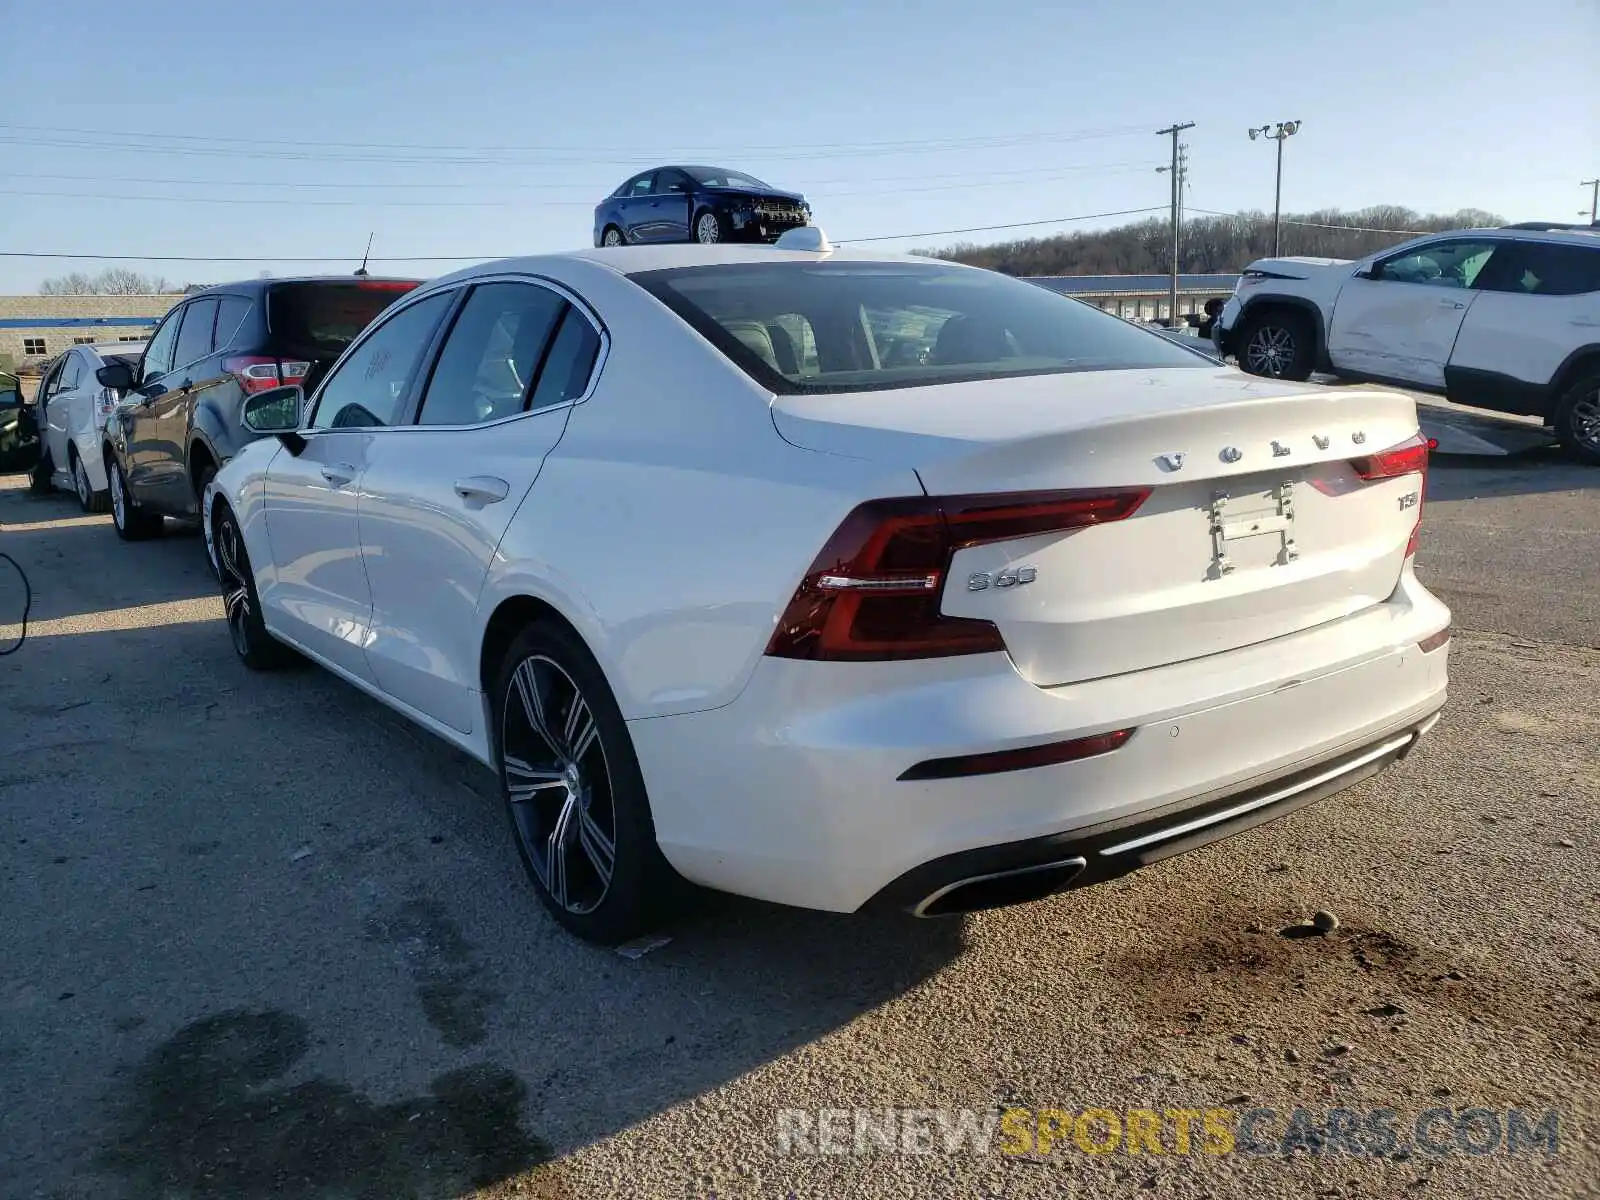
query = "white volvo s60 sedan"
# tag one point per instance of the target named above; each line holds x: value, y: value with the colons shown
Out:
x: 841, y: 580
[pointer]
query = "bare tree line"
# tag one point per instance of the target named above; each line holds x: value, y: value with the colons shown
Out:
x: 1207, y: 244
x: 113, y: 281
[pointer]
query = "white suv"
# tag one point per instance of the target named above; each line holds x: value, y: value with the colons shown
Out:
x: 1506, y: 319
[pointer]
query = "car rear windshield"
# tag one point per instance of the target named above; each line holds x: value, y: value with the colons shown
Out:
x: 839, y: 326
x: 321, y: 317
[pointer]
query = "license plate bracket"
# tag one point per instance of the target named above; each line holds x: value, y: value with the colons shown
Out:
x: 1233, y: 521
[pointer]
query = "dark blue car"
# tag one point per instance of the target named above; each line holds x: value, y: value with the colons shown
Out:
x: 696, y: 204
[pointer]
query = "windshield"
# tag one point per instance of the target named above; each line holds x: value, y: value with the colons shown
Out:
x: 798, y: 327
x: 714, y: 177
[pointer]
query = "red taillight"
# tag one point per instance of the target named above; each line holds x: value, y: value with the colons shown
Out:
x: 873, y: 592
x: 1409, y: 457
x: 386, y: 285
x: 256, y: 373
x: 107, y: 401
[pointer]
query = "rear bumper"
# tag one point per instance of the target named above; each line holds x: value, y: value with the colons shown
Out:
x: 1222, y: 332
x: 792, y: 792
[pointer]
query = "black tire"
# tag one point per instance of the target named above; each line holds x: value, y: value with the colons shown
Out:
x: 40, y: 478
x: 612, y: 236
x: 202, y: 479
x: 89, y: 500
x: 577, y: 800
x: 256, y: 648
x: 708, y: 229
x: 1577, y: 419
x: 1279, y: 343
x: 133, y: 524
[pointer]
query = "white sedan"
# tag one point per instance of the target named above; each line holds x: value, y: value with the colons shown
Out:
x: 837, y: 579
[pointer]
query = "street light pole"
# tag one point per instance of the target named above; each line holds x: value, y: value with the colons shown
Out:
x: 1594, y: 199
x: 1279, y: 133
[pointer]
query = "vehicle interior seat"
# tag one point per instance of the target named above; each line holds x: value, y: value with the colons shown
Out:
x: 967, y: 339
x: 755, y: 338
x: 783, y: 350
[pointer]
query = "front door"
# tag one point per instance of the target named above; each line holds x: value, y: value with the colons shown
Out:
x: 1401, y: 321
x: 318, y: 594
x: 437, y: 497
x: 172, y: 412
x: 139, y: 418
x: 54, y: 426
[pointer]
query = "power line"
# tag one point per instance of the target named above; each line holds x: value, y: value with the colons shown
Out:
x: 279, y: 201
x: 345, y: 257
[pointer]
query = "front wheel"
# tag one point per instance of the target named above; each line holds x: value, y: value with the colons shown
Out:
x: 256, y: 648
x: 1577, y: 420
x: 574, y: 792
x: 611, y: 237
x: 134, y: 524
x: 708, y: 229
x: 1279, y: 344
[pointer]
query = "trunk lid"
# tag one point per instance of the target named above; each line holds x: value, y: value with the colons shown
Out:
x: 1257, y: 523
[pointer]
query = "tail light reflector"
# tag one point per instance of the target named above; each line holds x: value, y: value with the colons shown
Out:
x: 256, y: 373
x: 873, y: 591
x: 966, y: 765
x: 1434, y: 640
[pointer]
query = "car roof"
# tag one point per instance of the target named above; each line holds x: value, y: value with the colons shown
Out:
x: 105, y: 348
x: 635, y: 260
x: 255, y: 286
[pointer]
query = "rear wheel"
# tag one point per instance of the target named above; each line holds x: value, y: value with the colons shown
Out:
x: 256, y: 648
x: 91, y: 500
x: 1278, y: 344
x: 574, y: 792
x: 134, y: 524
x: 1577, y: 419
x: 202, y: 483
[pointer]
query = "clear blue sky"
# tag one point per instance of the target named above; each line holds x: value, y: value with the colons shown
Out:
x: 893, y: 117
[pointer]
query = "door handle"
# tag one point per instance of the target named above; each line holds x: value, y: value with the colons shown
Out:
x: 338, y: 474
x: 485, y: 489
x: 1451, y: 304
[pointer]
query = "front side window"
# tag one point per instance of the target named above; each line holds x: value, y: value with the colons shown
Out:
x: 493, y: 350
x: 369, y: 387
x: 714, y: 177
x: 839, y: 326
x: 1452, y: 264
x: 158, y: 354
x: 194, y: 337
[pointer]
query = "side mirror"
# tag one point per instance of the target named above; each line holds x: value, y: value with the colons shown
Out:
x: 116, y: 376
x: 1367, y: 272
x: 274, y: 411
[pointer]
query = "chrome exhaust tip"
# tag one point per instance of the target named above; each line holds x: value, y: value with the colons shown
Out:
x: 1000, y: 889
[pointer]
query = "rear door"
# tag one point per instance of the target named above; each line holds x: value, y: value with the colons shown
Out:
x: 1401, y: 323
x: 318, y: 594
x: 436, y: 497
x: 634, y: 207
x: 1538, y: 302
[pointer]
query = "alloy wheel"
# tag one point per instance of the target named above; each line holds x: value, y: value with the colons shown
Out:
x: 119, y: 500
x: 1585, y: 420
x: 707, y: 230
x: 235, y: 584
x: 558, y: 785
x: 612, y: 238
x: 1270, y: 351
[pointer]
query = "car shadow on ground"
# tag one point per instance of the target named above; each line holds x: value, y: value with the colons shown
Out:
x: 273, y: 941
x: 1467, y: 477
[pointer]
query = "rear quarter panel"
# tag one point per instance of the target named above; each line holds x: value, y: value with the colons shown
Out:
x: 671, y: 524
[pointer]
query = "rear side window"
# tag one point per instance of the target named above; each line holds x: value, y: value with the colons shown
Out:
x: 838, y: 326
x: 1543, y: 269
x: 569, y: 364
x: 231, y: 312
x: 491, y: 354
x: 320, y: 318
x: 194, y: 337
x: 70, y: 371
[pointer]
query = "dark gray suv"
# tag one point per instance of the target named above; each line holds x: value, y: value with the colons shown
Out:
x: 181, y: 416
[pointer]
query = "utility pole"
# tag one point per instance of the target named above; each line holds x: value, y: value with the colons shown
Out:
x: 1173, y: 131
x: 1594, y: 199
x: 1284, y: 131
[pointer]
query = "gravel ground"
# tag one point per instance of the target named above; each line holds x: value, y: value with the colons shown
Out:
x: 262, y: 939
